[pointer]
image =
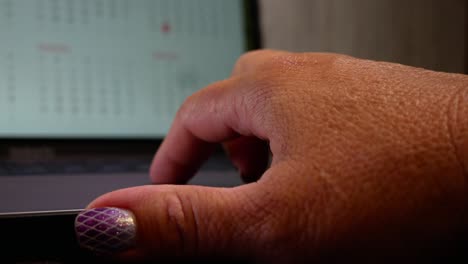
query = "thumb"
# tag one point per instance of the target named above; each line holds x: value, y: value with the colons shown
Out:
x: 164, y: 221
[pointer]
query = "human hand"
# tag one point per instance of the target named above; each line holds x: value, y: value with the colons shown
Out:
x: 369, y: 158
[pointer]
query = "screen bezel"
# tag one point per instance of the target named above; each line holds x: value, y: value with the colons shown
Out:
x: 68, y: 145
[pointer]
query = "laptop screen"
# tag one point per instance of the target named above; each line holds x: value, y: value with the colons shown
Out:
x: 110, y: 68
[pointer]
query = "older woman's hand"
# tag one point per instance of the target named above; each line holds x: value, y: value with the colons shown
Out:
x: 369, y: 158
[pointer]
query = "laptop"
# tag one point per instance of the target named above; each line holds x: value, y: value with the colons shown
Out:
x: 88, y: 90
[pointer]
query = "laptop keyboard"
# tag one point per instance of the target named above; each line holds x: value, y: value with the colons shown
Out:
x: 8, y: 168
x: 73, y: 167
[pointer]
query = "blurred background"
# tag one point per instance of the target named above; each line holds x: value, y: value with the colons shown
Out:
x: 425, y: 33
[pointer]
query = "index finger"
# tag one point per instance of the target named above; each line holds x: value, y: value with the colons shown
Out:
x: 217, y: 113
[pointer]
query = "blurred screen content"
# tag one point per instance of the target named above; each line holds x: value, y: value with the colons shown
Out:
x: 110, y: 68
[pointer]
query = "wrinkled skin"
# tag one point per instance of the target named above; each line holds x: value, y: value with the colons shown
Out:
x: 369, y: 159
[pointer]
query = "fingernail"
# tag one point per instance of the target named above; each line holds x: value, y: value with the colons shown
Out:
x: 106, y: 230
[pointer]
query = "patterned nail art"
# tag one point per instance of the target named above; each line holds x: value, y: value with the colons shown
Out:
x: 106, y: 230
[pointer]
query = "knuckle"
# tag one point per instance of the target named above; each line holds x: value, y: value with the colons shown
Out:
x: 260, y: 101
x: 280, y: 68
x: 204, y: 99
x: 184, y: 111
x: 181, y: 225
x: 251, y: 56
x: 456, y: 129
x: 282, y: 63
x: 258, y: 60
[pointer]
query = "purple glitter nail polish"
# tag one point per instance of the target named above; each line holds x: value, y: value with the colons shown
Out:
x: 106, y: 230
